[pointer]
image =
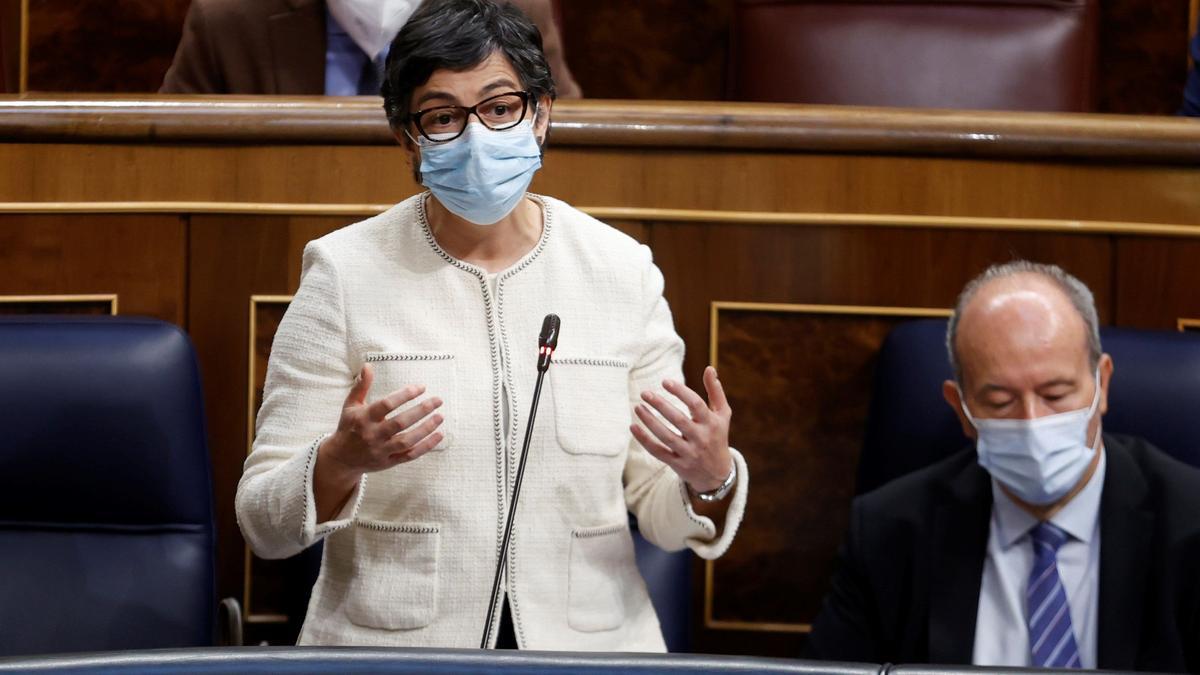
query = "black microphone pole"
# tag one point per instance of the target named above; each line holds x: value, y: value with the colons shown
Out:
x: 547, y: 342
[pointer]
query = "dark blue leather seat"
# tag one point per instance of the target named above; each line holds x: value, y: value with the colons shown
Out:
x: 106, y: 525
x: 346, y: 660
x: 669, y: 580
x: 1155, y: 394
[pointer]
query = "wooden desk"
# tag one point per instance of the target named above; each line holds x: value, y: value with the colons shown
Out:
x: 791, y: 239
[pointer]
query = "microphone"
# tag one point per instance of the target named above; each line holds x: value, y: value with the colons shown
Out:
x: 547, y: 343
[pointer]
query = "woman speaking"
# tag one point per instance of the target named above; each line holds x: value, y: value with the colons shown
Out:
x: 400, y: 378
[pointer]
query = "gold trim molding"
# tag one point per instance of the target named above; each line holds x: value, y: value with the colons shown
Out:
x: 714, y: 327
x: 255, y: 300
x: 643, y: 214
x: 1183, y: 324
x: 111, y: 298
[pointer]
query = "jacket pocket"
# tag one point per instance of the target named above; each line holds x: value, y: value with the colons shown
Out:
x: 396, y: 370
x: 591, y: 405
x: 601, y: 572
x: 395, y: 575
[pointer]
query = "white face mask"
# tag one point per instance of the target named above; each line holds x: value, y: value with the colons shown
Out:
x: 372, y: 24
x: 1041, y: 459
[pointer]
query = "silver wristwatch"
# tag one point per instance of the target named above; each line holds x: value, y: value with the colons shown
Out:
x: 722, y: 490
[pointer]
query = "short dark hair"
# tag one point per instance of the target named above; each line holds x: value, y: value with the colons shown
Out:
x: 458, y: 35
x: 1075, y: 290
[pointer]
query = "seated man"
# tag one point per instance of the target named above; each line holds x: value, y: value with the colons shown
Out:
x: 1049, y: 543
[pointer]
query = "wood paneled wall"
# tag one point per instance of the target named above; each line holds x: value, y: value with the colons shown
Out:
x: 626, y: 49
x: 102, y: 45
x: 791, y: 239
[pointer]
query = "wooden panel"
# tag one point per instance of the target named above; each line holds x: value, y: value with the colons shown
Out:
x: 656, y: 49
x: 139, y: 258
x: 744, y: 181
x: 1143, y: 55
x: 233, y: 258
x: 846, y: 266
x: 1158, y: 284
x: 10, y: 46
x: 102, y: 45
x: 815, y: 365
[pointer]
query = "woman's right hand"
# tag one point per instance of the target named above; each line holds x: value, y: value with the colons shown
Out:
x: 367, y: 440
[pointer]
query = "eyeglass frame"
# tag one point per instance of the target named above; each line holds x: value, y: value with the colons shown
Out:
x: 415, y: 117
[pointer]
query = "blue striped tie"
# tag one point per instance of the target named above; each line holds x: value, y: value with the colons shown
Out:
x: 1051, y: 638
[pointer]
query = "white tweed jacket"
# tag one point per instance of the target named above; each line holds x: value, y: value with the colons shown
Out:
x: 410, y: 560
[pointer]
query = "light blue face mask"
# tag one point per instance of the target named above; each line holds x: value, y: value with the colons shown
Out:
x: 1039, y: 459
x: 482, y: 175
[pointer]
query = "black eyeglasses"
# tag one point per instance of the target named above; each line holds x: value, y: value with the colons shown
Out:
x: 448, y: 122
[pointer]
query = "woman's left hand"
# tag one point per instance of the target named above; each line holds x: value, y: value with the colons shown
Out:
x: 699, y: 453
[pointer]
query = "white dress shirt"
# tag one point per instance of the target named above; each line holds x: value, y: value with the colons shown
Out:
x: 1001, y: 628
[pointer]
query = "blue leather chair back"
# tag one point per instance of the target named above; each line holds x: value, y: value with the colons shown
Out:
x: 1155, y: 394
x: 106, y: 526
x: 669, y: 579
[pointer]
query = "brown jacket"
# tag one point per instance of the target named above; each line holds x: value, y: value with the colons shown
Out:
x: 278, y: 47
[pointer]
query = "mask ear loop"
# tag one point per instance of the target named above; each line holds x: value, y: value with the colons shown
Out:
x: 1092, y: 411
x: 962, y: 404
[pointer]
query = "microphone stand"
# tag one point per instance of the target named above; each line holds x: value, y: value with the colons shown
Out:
x: 549, y: 341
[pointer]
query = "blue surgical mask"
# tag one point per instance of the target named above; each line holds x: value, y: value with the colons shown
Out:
x: 1038, y: 459
x: 482, y: 175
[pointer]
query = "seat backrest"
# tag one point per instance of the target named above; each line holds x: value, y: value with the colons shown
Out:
x: 669, y: 579
x: 974, y: 54
x: 1154, y: 394
x: 106, y: 522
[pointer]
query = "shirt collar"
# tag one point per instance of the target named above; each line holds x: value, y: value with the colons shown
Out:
x: 1077, y: 518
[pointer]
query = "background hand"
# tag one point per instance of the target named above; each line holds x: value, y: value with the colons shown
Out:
x: 699, y: 453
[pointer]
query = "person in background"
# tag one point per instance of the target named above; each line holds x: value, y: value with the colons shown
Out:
x: 311, y: 47
x: 444, y: 294
x: 1191, y: 91
x: 1050, y: 543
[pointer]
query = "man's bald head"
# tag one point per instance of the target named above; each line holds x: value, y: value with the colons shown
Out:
x: 1032, y: 302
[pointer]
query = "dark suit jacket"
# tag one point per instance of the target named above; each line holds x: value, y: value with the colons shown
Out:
x: 278, y: 47
x: 907, y: 590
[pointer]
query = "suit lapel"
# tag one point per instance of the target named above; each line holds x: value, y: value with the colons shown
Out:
x: 959, y: 545
x: 1125, y: 531
x: 298, y: 48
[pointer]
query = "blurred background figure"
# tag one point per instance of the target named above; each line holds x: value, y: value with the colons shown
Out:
x: 297, y: 47
x: 1191, y: 93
